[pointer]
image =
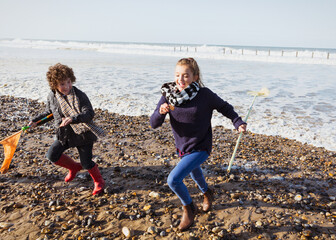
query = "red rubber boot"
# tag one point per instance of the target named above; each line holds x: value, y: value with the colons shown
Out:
x: 98, y: 180
x: 74, y: 167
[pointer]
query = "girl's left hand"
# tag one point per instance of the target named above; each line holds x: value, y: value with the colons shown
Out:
x: 242, y: 128
x: 65, y: 121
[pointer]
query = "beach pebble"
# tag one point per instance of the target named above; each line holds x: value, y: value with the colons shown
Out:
x: 47, y: 223
x: 152, y: 230
x: 154, y: 194
x: 163, y: 233
x: 258, y: 211
x: 307, y: 233
x: 258, y: 224
x: 232, y: 177
x: 236, y: 195
x: 51, y: 203
x: 120, y: 215
x: 216, y: 230
x: 147, y: 207
x: 298, y: 198
x: 46, y: 230
x: 332, y: 205
x: 4, y: 225
x: 127, y: 232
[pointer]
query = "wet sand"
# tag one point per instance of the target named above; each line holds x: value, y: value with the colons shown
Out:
x: 277, y: 189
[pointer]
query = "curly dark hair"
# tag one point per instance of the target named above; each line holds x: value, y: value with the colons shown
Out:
x: 59, y: 73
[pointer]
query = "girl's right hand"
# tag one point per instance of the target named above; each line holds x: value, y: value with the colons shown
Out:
x: 164, y: 108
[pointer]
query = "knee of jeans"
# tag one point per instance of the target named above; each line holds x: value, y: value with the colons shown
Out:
x: 172, y: 181
x: 52, y: 157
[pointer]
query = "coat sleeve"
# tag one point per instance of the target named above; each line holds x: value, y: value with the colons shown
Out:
x: 46, y: 112
x: 157, y: 119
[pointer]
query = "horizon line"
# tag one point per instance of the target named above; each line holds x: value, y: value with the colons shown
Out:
x: 160, y: 43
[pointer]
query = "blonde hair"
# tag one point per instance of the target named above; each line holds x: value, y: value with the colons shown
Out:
x: 59, y: 73
x: 193, y: 66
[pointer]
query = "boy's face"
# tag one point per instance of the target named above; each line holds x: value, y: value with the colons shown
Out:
x: 65, y: 86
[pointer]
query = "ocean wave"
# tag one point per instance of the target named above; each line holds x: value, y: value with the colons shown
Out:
x: 238, y: 53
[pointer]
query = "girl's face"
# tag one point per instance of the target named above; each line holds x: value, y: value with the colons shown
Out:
x: 184, y: 77
x: 65, y: 86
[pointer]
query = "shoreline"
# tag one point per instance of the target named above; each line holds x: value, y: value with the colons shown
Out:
x: 277, y: 189
x: 294, y: 117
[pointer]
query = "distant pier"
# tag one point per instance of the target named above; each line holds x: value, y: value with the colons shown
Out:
x: 257, y: 52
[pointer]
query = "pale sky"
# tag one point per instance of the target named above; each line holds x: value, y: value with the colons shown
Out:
x: 282, y: 23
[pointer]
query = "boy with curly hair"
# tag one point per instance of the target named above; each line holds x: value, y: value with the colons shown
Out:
x: 73, y: 114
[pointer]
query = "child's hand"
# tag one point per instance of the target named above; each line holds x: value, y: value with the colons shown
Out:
x: 164, y: 108
x: 242, y: 128
x: 65, y: 121
x: 32, y: 124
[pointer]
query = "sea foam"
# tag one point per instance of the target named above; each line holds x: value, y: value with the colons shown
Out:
x: 127, y: 81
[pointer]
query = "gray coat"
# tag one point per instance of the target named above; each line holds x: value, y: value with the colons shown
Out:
x: 65, y: 134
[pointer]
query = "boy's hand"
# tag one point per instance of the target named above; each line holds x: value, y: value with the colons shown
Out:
x: 65, y: 121
x: 32, y: 124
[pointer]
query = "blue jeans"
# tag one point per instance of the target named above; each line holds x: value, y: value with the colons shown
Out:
x: 189, y: 164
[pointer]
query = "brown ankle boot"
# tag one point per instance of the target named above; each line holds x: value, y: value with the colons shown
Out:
x: 188, y: 216
x: 208, y: 198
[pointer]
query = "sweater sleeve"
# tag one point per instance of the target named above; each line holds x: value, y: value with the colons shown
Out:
x: 157, y: 119
x: 226, y: 109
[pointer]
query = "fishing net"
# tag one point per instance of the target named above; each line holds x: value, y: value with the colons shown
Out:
x: 9, y: 145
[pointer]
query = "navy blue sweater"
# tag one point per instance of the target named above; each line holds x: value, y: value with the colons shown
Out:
x: 191, y: 122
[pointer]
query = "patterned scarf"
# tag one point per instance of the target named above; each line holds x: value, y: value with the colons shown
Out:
x: 177, y: 98
x: 71, y: 108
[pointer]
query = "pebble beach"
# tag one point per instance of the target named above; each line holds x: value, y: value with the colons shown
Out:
x: 278, y: 188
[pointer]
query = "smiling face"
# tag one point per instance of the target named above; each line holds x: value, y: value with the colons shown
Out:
x: 64, y: 87
x: 184, y: 77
